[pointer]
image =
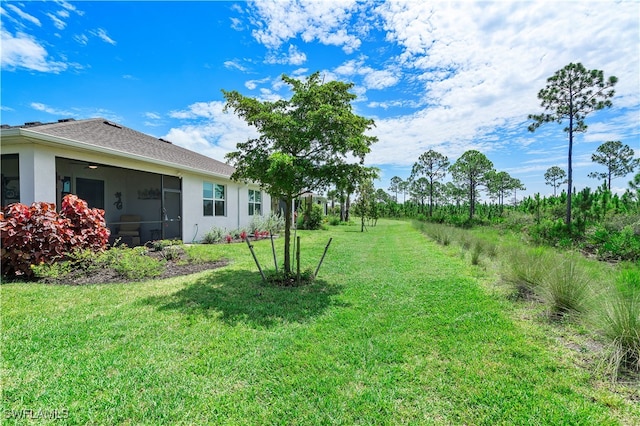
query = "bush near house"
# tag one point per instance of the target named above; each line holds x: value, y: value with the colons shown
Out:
x: 38, y: 234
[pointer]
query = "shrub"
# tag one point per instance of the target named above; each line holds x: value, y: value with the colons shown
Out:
x: 160, y: 245
x: 274, y: 223
x: 37, y: 234
x: 550, y: 232
x: 311, y: 220
x: 88, y: 225
x: 334, y: 220
x: 131, y: 263
x: 214, y: 235
x: 620, y: 245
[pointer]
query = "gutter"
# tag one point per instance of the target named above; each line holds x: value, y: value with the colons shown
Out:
x: 28, y: 133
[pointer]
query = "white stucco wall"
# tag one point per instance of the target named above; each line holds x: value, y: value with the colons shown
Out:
x: 39, y: 182
x: 37, y: 173
x: 196, y: 225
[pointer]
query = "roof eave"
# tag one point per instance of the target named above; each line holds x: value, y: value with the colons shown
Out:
x: 28, y: 133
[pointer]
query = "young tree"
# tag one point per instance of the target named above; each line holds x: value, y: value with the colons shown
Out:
x: 419, y: 190
x: 470, y: 171
x: 395, y: 185
x: 516, y: 184
x: 555, y: 177
x: 433, y: 166
x: 634, y: 186
x: 571, y: 94
x: 305, y: 143
x: 366, y: 194
x: 617, y: 158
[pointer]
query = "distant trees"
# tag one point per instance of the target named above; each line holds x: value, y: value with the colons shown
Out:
x: 555, y: 176
x: 570, y: 95
x: 433, y: 166
x: 395, y: 186
x: 500, y: 185
x: 617, y: 158
x: 470, y: 172
x: 365, y: 205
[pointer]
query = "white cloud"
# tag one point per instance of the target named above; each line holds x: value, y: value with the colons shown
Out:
x: 482, y: 64
x: 152, y: 115
x: 57, y: 22
x: 216, y: 133
x: 234, y: 64
x: 292, y: 57
x: 252, y: 84
x: 23, y: 15
x: 23, y: 51
x: 372, y: 78
x: 82, y: 39
x: 325, y: 22
x: 102, y: 34
x: 50, y: 110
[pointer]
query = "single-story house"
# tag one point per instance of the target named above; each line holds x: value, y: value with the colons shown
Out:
x: 149, y: 188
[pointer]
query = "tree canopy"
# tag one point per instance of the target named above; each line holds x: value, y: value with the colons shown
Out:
x: 470, y: 172
x: 433, y: 166
x: 617, y: 158
x: 555, y: 177
x: 571, y: 94
x: 305, y: 143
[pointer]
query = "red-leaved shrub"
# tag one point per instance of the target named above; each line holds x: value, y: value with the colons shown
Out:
x: 37, y: 234
x: 88, y: 225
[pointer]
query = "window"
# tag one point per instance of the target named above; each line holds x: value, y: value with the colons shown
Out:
x: 213, y: 199
x: 92, y: 191
x: 10, y: 167
x: 255, y: 202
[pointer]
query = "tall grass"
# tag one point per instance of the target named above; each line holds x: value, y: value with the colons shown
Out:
x: 567, y: 288
x: 525, y: 269
x: 618, y: 320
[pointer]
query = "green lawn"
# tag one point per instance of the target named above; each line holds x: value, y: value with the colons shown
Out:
x: 394, y: 331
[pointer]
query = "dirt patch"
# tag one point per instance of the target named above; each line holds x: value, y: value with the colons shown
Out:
x: 110, y: 276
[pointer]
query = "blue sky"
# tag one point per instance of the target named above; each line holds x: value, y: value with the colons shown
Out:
x: 433, y: 75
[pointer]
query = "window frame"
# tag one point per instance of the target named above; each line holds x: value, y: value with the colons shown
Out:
x: 253, y: 203
x: 214, y: 199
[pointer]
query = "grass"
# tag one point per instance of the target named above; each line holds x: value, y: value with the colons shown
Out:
x: 395, y: 330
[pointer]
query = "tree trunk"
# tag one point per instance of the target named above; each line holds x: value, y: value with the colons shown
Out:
x: 570, y: 171
x: 287, y: 235
x: 431, y: 197
x: 348, y: 206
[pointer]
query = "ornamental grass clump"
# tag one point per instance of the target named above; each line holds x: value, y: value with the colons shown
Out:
x: 618, y: 320
x: 478, y: 249
x: 566, y: 289
x: 524, y: 270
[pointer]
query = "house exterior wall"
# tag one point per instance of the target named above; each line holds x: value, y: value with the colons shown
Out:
x: 196, y: 224
x: 37, y: 172
x: 40, y: 180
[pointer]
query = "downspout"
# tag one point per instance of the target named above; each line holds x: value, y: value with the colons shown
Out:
x: 238, y: 209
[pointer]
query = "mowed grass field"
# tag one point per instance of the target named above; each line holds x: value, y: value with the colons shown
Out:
x: 395, y: 330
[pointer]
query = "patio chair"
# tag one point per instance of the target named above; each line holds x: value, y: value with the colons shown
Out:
x: 129, y: 233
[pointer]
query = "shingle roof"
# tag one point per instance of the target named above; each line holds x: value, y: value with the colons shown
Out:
x: 105, y: 134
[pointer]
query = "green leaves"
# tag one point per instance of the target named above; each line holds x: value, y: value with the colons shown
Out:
x: 571, y: 94
x: 617, y: 158
x: 304, y: 141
